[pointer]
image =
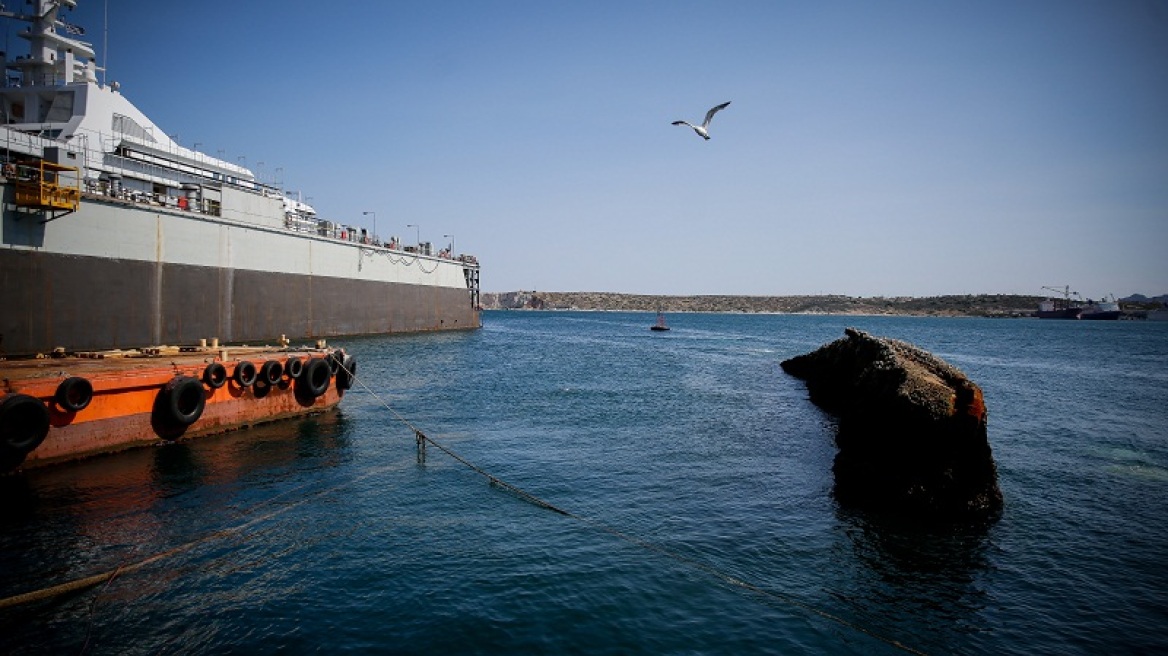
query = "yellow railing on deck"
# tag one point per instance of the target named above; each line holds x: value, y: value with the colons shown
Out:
x: 48, y: 186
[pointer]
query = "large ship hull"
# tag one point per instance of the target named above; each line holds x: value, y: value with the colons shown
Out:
x: 1065, y: 313
x: 115, y: 274
x: 1101, y: 315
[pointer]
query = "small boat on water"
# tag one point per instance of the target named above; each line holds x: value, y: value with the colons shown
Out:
x: 660, y: 325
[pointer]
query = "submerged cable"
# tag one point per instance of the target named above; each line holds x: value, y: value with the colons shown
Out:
x: 423, y: 440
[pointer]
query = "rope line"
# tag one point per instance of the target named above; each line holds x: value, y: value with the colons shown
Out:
x: 95, y: 580
x: 109, y: 575
x: 93, y: 610
x: 423, y: 440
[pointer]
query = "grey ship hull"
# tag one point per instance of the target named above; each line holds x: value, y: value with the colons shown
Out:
x: 113, y: 276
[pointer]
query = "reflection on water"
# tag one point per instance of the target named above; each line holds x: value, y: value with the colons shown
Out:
x: 176, y: 509
x: 111, y: 500
x: 18, y: 500
x: 176, y: 469
x: 909, y: 571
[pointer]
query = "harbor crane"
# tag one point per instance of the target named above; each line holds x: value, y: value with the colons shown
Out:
x: 1066, y: 292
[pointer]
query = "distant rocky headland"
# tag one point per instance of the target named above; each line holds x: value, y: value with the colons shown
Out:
x: 975, y: 305
x: 981, y: 305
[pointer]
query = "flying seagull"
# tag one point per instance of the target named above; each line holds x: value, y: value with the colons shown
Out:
x: 703, y: 130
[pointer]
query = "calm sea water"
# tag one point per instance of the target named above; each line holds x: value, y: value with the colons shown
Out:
x: 697, y: 478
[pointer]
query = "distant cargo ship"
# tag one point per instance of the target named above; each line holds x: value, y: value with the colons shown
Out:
x: 1065, y: 308
x: 1101, y: 310
x: 116, y: 236
x: 1051, y: 309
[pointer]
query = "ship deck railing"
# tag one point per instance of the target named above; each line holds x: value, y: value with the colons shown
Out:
x: 46, y: 185
x: 103, y: 190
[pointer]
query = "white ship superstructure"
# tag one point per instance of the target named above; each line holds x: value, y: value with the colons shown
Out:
x: 114, y: 235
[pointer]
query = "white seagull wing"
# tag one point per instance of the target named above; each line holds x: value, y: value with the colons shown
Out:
x: 681, y: 123
x: 714, y: 110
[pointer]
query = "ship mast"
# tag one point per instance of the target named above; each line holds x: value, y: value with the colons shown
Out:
x: 53, y: 58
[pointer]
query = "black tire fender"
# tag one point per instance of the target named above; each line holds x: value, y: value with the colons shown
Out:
x: 271, y: 372
x: 215, y: 375
x: 182, y: 401
x: 74, y: 394
x: 335, y: 359
x: 347, y: 373
x: 294, y: 366
x: 315, y: 379
x: 245, y: 373
x: 24, y: 424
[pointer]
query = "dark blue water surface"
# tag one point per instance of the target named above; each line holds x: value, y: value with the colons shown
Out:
x: 697, y: 478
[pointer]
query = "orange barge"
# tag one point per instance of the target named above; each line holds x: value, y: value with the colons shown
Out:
x: 63, y: 408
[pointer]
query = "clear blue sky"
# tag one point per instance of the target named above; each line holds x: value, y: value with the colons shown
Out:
x: 871, y: 148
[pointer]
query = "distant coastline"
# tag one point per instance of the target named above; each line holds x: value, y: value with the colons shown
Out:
x: 977, y: 305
